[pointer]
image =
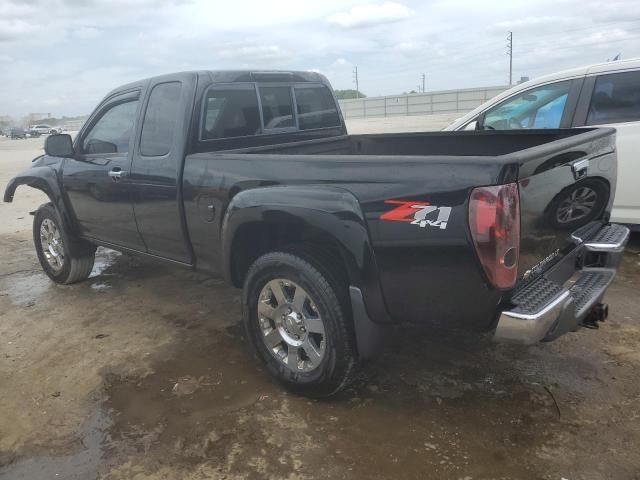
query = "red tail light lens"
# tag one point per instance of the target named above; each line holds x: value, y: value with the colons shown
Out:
x: 494, y: 220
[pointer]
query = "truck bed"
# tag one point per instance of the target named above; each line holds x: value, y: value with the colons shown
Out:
x: 439, y: 169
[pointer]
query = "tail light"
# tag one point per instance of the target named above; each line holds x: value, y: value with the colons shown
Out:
x: 494, y: 220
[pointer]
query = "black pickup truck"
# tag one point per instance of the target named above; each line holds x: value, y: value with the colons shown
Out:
x: 333, y: 237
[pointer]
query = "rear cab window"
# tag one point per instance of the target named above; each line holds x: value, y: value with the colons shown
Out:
x: 277, y: 107
x: 249, y: 109
x: 230, y: 111
x: 316, y: 108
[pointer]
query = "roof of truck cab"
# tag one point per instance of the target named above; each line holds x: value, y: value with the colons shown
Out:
x: 231, y: 76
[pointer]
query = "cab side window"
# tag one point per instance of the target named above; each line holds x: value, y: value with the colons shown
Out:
x: 160, y: 119
x: 540, y: 107
x: 615, y: 99
x: 112, y: 132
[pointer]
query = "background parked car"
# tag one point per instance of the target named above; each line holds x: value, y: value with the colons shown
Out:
x: 44, y: 129
x: 606, y: 94
x: 17, y: 133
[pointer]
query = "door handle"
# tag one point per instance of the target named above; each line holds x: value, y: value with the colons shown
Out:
x: 117, y: 174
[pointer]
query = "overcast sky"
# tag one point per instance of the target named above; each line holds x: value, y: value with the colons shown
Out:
x: 62, y: 56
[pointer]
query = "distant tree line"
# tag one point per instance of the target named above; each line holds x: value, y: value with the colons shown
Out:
x: 53, y: 121
x: 348, y: 94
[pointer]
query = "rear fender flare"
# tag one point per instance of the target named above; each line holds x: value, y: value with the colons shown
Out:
x: 331, y: 210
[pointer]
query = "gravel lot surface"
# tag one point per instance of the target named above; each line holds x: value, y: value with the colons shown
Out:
x: 141, y: 372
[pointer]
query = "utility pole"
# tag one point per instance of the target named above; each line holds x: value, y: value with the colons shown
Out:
x: 424, y: 77
x: 355, y: 78
x: 510, y: 53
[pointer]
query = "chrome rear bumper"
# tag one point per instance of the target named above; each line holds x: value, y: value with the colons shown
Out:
x: 544, y: 309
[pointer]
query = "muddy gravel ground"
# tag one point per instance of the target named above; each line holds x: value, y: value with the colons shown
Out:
x: 142, y: 372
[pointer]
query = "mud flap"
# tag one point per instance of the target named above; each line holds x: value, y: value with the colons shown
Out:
x: 369, y: 335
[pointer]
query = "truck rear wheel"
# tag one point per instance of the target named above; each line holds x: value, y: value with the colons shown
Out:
x: 296, y: 320
x: 53, y: 246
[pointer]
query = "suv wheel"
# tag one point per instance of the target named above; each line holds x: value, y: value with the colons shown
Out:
x: 296, y: 319
x: 53, y: 246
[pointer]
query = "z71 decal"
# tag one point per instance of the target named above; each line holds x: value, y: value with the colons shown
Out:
x: 417, y: 213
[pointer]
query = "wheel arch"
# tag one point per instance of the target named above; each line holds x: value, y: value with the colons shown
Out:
x: 45, y: 179
x: 258, y: 221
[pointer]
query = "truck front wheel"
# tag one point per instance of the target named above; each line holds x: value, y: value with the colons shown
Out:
x: 53, y: 246
x: 296, y: 319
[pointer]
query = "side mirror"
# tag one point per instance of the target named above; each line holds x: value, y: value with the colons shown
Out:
x: 59, y: 145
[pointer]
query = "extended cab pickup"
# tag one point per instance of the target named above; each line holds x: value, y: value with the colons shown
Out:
x: 332, y: 237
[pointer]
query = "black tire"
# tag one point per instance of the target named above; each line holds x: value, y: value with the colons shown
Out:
x: 337, y: 367
x: 78, y: 257
x: 601, y: 191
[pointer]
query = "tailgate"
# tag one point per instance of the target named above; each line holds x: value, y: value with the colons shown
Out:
x: 566, y: 194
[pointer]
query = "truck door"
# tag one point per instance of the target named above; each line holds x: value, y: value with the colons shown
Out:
x: 156, y: 172
x: 96, y: 180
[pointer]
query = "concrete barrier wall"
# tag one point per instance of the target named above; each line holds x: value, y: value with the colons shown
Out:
x: 447, y: 101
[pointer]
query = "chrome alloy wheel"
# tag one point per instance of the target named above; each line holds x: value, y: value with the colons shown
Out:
x: 52, y: 246
x: 290, y: 325
x: 576, y: 206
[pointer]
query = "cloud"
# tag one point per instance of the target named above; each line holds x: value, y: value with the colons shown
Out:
x: 531, y: 23
x: 86, y: 33
x: 14, y: 29
x: 372, y: 14
x: 341, y: 62
x: 252, y: 52
x: 99, y: 46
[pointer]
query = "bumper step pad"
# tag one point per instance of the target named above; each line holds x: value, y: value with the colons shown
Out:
x: 590, y: 285
x: 535, y: 296
x: 611, y: 238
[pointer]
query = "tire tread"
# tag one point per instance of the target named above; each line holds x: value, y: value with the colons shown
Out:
x: 327, y: 282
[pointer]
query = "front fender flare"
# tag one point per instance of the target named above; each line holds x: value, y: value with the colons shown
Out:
x: 45, y: 179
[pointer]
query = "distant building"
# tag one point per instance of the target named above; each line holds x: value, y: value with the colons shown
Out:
x: 523, y: 79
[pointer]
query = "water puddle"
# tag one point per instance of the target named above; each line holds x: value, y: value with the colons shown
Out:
x: 86, y: 461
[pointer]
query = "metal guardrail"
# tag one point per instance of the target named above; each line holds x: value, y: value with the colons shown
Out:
x: 446, y: 101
